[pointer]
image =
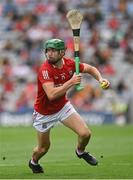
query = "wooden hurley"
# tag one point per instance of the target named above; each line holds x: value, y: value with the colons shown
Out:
x: 75, y: 19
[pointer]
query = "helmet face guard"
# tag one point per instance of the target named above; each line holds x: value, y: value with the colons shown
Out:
x: 57, y: 44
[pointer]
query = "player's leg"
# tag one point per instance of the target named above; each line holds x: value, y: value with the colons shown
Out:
x: 39, y: 151
x: 43, y: 145
x: 78, y: 125
x: 43, y: 124
x: 75, y: 122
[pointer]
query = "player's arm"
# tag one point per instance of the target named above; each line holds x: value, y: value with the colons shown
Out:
x: 95, y: 73
x: 56, y: 92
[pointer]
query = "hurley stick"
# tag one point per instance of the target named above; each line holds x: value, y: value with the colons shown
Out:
x: 75, y: 19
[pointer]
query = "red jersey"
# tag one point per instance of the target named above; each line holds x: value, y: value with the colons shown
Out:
x: 50, y: 73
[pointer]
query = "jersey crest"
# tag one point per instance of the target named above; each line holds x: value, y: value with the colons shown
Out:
x: 63, y: 76
x: 45, y: 74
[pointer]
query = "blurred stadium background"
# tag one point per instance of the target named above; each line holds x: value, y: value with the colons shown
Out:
x: 106, y: 43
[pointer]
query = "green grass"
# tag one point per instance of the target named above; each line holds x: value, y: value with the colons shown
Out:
x: 112, y: 142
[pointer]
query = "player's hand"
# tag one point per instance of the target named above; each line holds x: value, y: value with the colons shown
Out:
x: 76, y: 79
x: 104, y: 83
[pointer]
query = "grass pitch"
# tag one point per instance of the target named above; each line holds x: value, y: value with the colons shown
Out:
x: 112, y: 145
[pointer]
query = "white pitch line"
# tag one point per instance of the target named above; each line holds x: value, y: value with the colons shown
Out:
x: 62, y: 164
x: 122, y: 164
x: 9, y: 165
x: 59, y: 164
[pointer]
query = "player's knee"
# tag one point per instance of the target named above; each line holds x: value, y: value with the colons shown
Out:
x: 44, y: 150
x: 85, y: 134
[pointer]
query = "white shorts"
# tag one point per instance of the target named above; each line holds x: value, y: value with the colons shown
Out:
x: 43, y: 123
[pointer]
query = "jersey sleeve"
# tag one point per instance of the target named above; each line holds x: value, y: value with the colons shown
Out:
x: 81, y: 67
x: 45, y: 75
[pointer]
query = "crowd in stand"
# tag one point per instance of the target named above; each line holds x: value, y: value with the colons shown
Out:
x: 106, y: 42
